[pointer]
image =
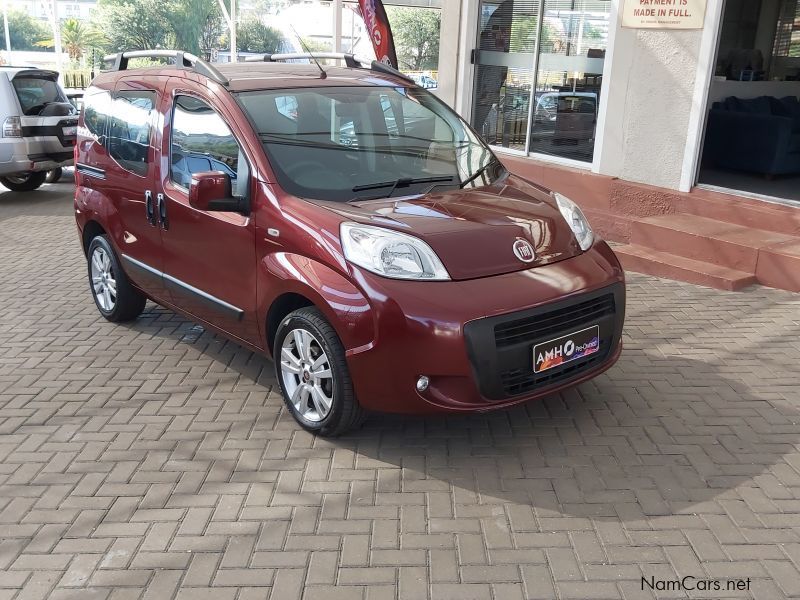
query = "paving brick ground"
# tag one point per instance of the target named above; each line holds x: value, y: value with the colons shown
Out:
x: 156, y: 461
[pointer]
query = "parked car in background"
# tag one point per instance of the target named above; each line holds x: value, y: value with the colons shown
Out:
x: 75, y: 98
x: 572, y: 116
x: 352, y: 227
x: 39, y: 126
x: 424, y: 80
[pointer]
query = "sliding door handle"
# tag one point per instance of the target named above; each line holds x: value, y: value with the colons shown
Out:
x: 161, y: 202
x: 149, y: 208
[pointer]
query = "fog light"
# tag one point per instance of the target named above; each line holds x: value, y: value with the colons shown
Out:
x: 422, y: 383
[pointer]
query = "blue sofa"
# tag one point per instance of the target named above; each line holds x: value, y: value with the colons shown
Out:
x: 759, y: 135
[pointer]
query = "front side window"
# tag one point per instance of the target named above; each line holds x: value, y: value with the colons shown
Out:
x: 363, y: 142
x: 129, y: 130
x: 97, y: 104
x: 202, y: 141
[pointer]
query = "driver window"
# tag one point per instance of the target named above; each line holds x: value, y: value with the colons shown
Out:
x: 202, y: 141
x: 129, y: 130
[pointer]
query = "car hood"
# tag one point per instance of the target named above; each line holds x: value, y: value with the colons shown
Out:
x: 473, y: 231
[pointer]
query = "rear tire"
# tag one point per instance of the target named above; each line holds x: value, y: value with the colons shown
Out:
x: 54, y: 176
x: 24, y: 183
x: 115, y: 297
x: 312, y: 372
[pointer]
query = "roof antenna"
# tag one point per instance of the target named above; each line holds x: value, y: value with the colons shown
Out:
x: 323, y: 74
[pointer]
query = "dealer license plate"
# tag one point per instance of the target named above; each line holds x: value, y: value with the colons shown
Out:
x: 565, y: 349
x: 70, y: 131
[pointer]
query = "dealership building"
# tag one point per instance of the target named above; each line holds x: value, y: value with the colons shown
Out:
x: 674, y: 123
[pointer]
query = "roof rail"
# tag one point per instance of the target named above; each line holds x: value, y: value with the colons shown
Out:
x: 350, y: 60
x: 182, y: 60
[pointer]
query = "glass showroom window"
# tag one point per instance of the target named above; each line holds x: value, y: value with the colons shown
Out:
x: 539, y: 71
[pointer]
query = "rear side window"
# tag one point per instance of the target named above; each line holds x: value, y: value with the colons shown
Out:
x: 35, y: 93
x: 129, y: 130
x: 202, y: 141
x: 96, y: 105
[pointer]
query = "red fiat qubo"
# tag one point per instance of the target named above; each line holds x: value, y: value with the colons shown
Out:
x: 345, y: 222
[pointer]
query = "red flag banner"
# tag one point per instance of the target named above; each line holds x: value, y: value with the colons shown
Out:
x: 379, y: 31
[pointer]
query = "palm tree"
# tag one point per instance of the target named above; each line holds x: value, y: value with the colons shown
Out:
x: 76, y: 39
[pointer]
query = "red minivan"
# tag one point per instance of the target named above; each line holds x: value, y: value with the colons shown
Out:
x: 345, y: 222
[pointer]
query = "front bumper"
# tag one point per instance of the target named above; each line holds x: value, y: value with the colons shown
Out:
x: 451, y: 332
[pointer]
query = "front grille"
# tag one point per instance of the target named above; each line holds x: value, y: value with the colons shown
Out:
x: 563, y: 320
x: 501, y: 348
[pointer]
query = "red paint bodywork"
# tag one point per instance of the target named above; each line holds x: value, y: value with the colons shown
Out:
x: 393, y: 331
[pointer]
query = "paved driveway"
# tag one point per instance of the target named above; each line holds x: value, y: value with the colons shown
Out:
x: 155, y: 460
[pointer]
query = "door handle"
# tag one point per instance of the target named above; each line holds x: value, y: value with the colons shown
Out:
x: 162, y: 210
x: 149, y: 209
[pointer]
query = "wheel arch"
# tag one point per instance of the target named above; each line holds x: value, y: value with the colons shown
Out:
x: 90, y: 231
x: 284, y: 304
x: 292, y: 281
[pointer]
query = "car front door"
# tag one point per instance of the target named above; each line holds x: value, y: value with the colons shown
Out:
x: 129, y: 180
x: 209, y: 257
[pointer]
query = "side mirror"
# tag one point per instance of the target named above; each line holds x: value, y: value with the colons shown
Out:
x: 211, y: 191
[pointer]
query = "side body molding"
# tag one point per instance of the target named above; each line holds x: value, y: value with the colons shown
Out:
x: 176, y: 285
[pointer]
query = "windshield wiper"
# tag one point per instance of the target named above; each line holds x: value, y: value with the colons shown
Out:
x: 477, y: 173
x: 400, y: 183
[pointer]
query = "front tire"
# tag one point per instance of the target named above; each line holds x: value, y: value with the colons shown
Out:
x: 312, y: 372
x: 26, y: 182
x: 115, y: 297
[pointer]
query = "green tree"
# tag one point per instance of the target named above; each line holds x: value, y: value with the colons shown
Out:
x: 25, y: 31
x: 197, y: 25
x: 416, y: 36
x: 134, y: 24
x: 252, y: 35
x: 77, y: 39
x: 524, y: 31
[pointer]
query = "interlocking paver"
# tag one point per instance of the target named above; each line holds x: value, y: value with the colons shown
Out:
x: 156, y: 461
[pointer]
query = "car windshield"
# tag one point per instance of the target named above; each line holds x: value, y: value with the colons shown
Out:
x: 356, y: 143
x: 35, y: 93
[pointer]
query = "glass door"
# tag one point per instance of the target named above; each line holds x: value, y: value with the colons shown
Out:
x: 569, y: 75
x: 504, y: 67
x: 538, y: 74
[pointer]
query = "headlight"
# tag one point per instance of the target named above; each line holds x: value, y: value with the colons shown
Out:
x: 390, y: 253
x: 576, y: 221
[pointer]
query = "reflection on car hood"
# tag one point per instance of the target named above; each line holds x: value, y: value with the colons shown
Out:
x: 474, y: 230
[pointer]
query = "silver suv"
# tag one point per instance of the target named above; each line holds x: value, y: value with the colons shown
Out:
x: 39, y: 127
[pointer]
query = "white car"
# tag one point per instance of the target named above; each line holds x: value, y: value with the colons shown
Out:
x: 39, y: 127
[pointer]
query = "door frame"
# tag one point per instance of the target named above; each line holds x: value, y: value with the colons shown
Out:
x: 464, y: 102
x: 698, y: 118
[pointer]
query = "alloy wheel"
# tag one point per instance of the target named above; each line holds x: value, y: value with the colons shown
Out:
x: 104, y: 283
x: 307, y: 376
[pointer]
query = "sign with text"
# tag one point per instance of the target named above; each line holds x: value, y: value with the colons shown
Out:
x: 664, y: 14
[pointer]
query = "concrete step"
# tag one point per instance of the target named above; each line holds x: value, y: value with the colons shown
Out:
x: 671, y: 266
x: 779, y: 266
x: 747, y: 212
x: 609, y: 226
x: 706, y: 240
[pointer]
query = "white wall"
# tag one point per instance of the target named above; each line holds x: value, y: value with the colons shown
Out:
x: 449, y: 52
x: 657, y: 83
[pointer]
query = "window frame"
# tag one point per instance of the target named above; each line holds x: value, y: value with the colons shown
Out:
x: 174, y: 103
